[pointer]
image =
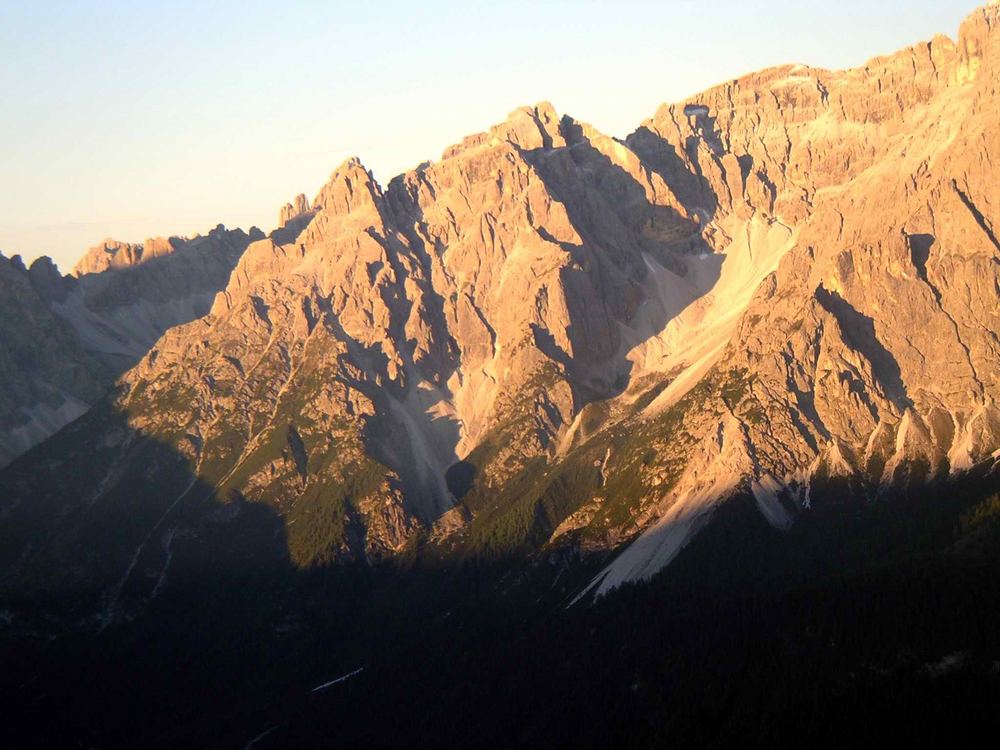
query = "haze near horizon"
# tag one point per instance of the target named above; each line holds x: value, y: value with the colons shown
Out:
x: 169, y: 118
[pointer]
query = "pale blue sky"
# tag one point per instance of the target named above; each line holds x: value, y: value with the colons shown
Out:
x: 131, y: 119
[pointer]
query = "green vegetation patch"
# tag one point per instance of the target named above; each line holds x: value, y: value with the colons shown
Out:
x: 321, y: 522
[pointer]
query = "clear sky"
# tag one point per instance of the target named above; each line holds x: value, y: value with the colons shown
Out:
x: 133, y: 119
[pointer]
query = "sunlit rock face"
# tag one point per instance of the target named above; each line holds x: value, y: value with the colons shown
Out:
x: 867, y: 358
x: 787, y: 287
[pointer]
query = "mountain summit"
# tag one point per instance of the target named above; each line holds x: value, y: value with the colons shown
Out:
x: 747, y: 282
x: 549, y: 344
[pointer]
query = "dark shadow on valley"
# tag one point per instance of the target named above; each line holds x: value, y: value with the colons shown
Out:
x: 138, y: 608
x: 159, y: 614
x: 848, y: 625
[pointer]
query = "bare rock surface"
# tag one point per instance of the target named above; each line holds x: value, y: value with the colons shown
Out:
x: 67, y: 338
x: 787, y: 287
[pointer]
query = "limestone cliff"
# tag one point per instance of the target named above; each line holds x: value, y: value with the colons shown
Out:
x: 67, y: 338
x: 785, y: 288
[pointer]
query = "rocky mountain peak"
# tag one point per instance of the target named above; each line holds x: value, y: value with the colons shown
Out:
x: 974, y: 42
x: 291, y: 211
x: 552, y: 338
x: 350, y: 186
x: 114, y: 254
x: 757, y: 341
x: 98, y: 321
x: 46, y: 278
x: 531, y: 127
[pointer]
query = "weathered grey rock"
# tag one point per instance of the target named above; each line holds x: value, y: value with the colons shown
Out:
x: 871, y: 351
x: 67, y: 338
x: 555, y: 337
x: 291, y: 211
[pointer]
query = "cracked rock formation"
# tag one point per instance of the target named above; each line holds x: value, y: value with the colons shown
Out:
x: 786, y: 288
x: 65, y: 339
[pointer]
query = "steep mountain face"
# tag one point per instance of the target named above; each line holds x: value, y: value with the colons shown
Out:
x: 340, y: 376
x: 127, y: 295
x: 785, y: 288
x: 67, y: 338
x: 868, y: 359
x: 48, y: 377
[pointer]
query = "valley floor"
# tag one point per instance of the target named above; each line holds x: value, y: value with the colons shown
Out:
x: 751, y: 637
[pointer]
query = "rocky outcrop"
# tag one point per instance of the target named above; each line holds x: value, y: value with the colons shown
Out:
x: 67, y: 338
x: 112, y: 254
x: 291, y: 211
x: 136, y: 292
x: 871, y: 350
x: 48, y: 377
x: 404, y: 297
x: 785, y: 288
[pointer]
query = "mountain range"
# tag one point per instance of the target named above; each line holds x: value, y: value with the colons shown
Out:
x: 552, y: 362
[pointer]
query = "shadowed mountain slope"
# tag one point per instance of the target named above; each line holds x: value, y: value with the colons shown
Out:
x: 554, y: 338
x: 751, y: 347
